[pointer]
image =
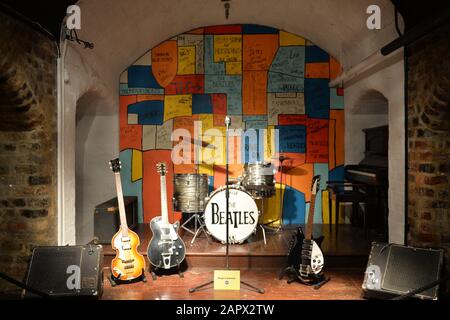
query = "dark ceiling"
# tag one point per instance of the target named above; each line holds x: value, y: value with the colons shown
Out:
x: 50, y: 13
x: 415, y: 12
x: 46, y: 13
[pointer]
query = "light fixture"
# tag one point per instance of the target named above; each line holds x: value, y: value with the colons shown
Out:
x: 226, y: 5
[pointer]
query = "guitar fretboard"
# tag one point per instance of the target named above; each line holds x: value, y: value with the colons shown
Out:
x: 164, y: 210
x: 123, y: 217
x: 309, y: 225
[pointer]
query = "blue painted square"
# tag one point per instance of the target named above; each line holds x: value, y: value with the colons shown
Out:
x: 130, y: 188
x: 201, y: 103
x: 293, y: 206
x: 322, y: 170
x: 337, y: 174
x: 292, y: 138
x: 279, y: 82
x: 290, y: 61
x: 210, y: 184
x: 211, y: 67
x: 149, y: 112
x: 316, y: 54
x: 257, y: 29
x: 252, y: 146
x: 336, y: 101
x: 317, y: 98
x: 141, y: 77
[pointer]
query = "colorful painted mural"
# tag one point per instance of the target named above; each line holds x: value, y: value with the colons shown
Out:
x: 264, y: 78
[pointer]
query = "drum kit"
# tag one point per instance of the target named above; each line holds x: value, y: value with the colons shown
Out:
x: 207, y: 211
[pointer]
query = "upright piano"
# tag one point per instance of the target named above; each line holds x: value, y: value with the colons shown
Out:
x: 372, y: 171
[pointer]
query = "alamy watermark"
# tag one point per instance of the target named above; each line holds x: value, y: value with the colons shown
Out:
x: 208, y: 147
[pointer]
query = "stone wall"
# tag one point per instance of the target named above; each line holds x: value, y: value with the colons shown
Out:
x: 28, y: 181
x: 429, y: 141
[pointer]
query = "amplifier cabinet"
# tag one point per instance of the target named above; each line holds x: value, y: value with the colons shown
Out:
x: 66, y: 271
x: 394, y: 270
x: 107, y: 220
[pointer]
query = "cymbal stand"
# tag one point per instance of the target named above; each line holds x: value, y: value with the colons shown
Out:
x: 199, y: 224
x: 261, y: 224
x: 276, y: 229
x: 227, y: 197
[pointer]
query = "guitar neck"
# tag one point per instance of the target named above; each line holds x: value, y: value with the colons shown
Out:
x: 164, y: 211
x: 123, y: 217
x: 309, y: 225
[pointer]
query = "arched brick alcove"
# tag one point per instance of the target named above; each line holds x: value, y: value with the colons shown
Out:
x: 27, y: 145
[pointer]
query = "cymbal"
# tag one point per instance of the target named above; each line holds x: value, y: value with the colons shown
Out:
x: 293, y: 171
x: 282, y: 157
x: 199, y: 142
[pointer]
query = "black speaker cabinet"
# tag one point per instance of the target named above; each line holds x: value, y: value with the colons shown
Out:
x: 107, y: 220
x: 393, y: 270
x: 66, y: 271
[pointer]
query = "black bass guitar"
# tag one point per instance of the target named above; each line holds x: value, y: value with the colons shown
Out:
x: 305, y: 257
x: 166, y: 249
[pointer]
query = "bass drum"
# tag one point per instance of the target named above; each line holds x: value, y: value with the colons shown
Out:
x: 243, y: 210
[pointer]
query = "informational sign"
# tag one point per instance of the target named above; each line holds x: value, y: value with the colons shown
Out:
x: 227, y: 280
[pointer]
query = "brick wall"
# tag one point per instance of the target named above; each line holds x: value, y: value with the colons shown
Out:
x: 27, y: 145
x: 429, y: 141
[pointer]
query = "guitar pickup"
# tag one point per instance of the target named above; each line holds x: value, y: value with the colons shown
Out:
x: 128, y: 261
x: 126, y: 246
x: 130, y: 266
x: 125, y: 239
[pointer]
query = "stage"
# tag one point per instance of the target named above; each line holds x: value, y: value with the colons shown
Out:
x: 345, y: 256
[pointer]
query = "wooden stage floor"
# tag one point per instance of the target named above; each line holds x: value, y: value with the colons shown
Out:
x: 349, y: 248
x: 344, y: 285
x: 345, y: 255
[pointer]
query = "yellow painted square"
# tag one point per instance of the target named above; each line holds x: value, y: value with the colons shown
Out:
x: 177, y: 106
x: 136, y: 166
x: 227, y: 48
x: 186, y: 60
x: 289, y: 39
x: 233, y: 67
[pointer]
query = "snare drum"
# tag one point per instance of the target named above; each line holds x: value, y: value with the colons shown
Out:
x: 243, y: 210
x: 190, y: 191
x: 258, y: 179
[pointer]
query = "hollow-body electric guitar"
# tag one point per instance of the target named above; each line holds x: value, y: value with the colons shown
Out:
x: 305, y: 255
x: 166, y: 249
x: 128, y: 264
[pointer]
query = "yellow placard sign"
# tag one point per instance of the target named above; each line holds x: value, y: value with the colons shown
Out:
x: 227, y: 280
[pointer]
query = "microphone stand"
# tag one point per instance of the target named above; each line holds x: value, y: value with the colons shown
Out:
x: 227, y: 198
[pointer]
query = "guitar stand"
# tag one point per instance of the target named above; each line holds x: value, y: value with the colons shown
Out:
x: 253, y: 288
x: 116, y: 281
x: 154, y: 270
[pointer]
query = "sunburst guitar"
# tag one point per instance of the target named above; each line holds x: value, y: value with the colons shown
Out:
x: 128, y: 263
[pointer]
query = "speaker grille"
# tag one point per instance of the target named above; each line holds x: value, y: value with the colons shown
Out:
x: 49, y: 267
x: 411, y: 268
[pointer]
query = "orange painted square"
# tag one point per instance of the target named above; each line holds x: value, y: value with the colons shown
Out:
x: 130, y: 134
x: 259, y: 51
x: 338, y: 115
x: 151, y: 190
x: 317, y: 70
x: 335, y: 68
x: 254, y: 93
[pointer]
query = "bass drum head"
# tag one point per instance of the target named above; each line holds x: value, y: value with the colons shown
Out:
x: 243, y: 211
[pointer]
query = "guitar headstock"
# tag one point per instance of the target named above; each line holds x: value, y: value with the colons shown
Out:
x: 315, y: 186
x: 161, y: 167
x: 115, y: 165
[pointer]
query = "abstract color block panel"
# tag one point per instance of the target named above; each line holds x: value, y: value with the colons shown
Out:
x: 274, y: 87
